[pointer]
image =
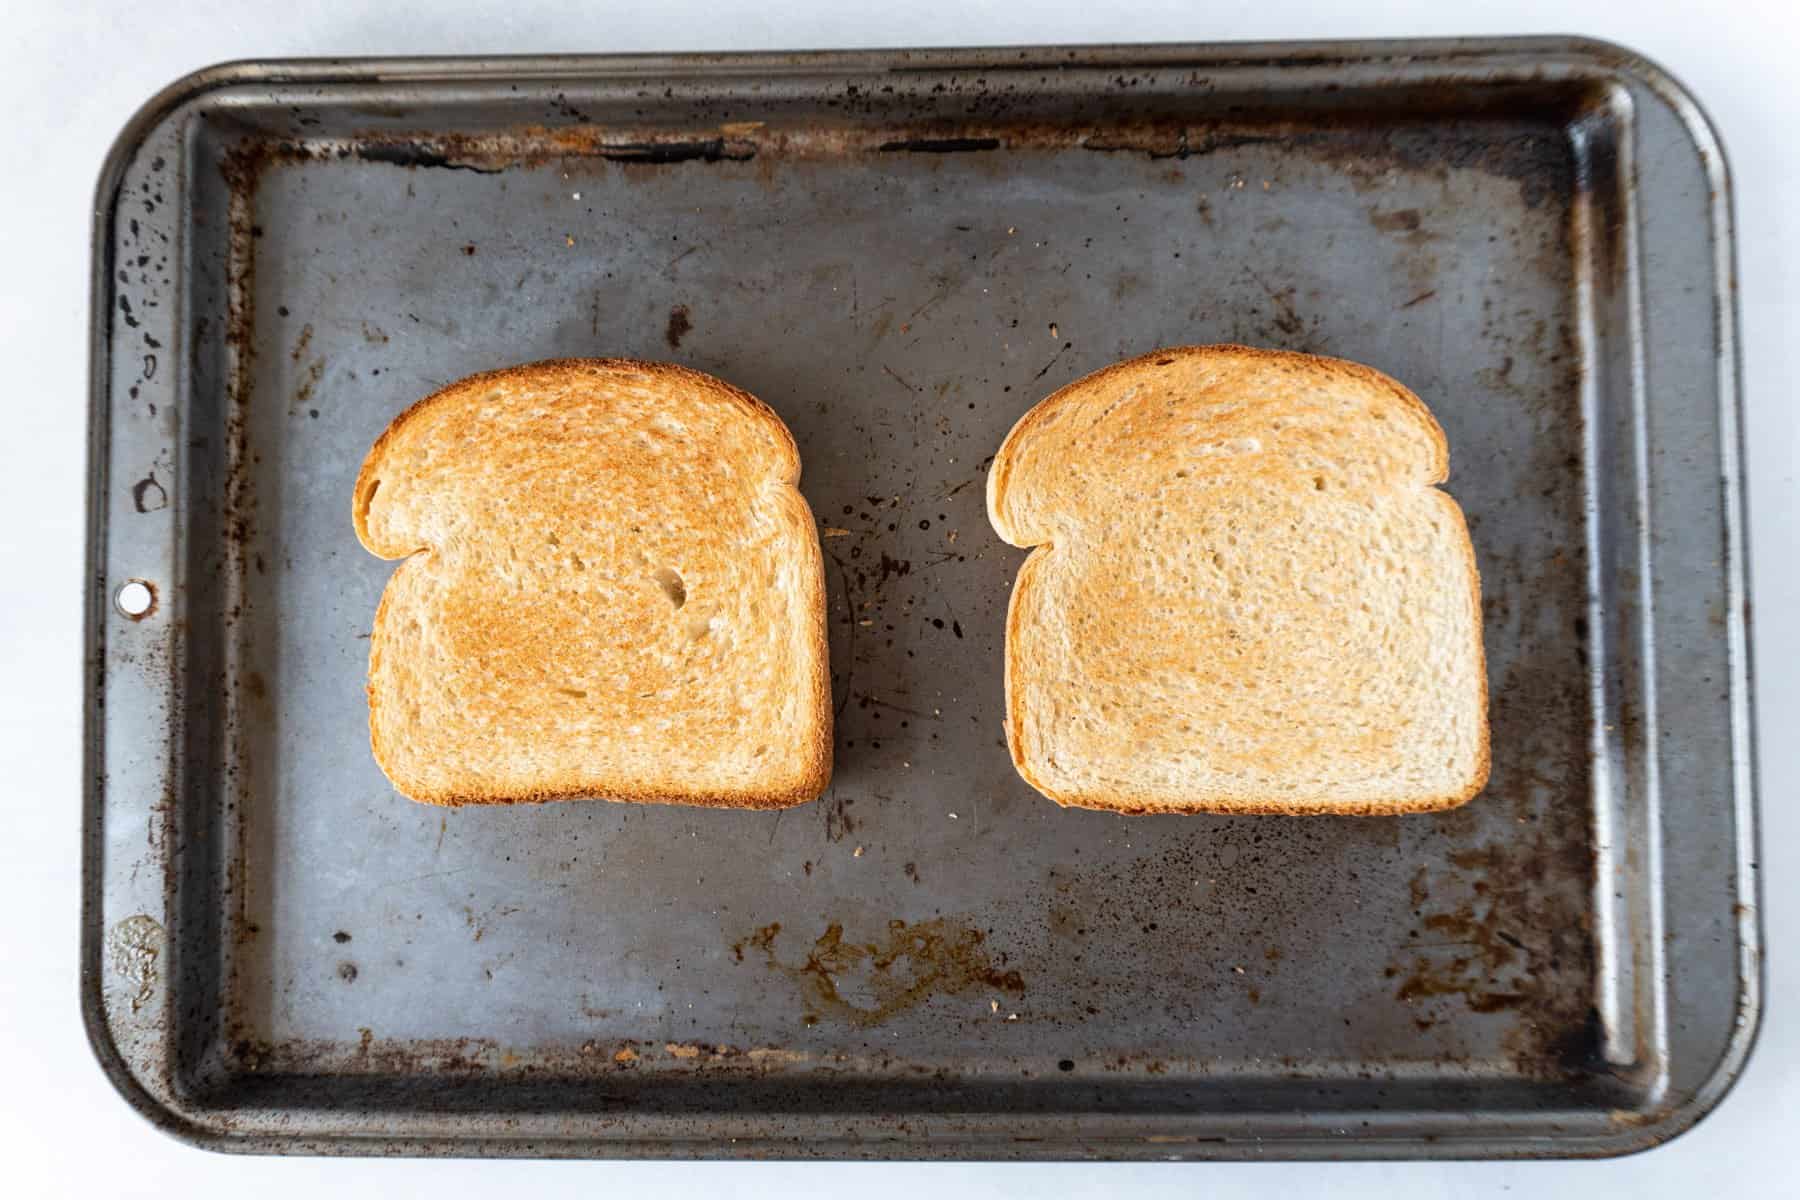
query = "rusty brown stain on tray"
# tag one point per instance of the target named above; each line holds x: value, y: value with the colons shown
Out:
x: 900, y: 971
x: 713, y: 1055
x: 1408, y: 226
x: 680, y: 325
x: 1479, y: 135
x: 309, y: 382
x: 763, y: 939
x: 1404, y: 220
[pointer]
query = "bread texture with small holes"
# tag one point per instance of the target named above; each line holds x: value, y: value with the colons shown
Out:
x: 612, y: 588
x: 1246, y: 593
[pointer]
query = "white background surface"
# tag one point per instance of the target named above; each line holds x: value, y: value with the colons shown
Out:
x: 72, y: 73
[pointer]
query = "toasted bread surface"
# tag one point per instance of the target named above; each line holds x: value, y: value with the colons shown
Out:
x: 612, y: 588
x: 1246, y: 594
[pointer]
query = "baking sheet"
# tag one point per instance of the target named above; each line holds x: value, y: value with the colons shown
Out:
x: 901, y: 252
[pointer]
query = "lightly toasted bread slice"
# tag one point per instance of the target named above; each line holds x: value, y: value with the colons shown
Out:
x: 1246, y: 593
x: 612, y: 588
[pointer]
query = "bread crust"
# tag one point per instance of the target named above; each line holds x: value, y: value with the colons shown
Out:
x: 815, y: 751
x: 1000, y: 478
x: 547, y: 371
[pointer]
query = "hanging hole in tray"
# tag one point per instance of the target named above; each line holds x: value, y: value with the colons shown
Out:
x: 135, y: 599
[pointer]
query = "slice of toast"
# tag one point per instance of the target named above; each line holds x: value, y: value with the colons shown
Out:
x: 612, y: 589
x: 1246, y: 594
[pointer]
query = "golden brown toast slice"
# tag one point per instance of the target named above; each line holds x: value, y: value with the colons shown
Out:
x: 611, y: 588
x: 1247, y: 595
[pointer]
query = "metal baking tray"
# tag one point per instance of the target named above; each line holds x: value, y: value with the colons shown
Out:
x: 902, y: 251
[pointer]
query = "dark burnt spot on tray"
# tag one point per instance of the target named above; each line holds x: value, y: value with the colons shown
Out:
x: 708, y: 150
x: 347, y: 972
x: 940, y: 145
x: 864, y: 983
x: 416, y: 154
x: 564, y: 107
x: 892, y: 568
x: 679, y: 326
x: 340, y: 937
x: 147, y: 495
x: 839, y: 824
x: 486, y: 153
x: 1577, y: 1050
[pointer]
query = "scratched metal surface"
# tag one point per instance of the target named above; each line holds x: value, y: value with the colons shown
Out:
x: 901, y: 253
